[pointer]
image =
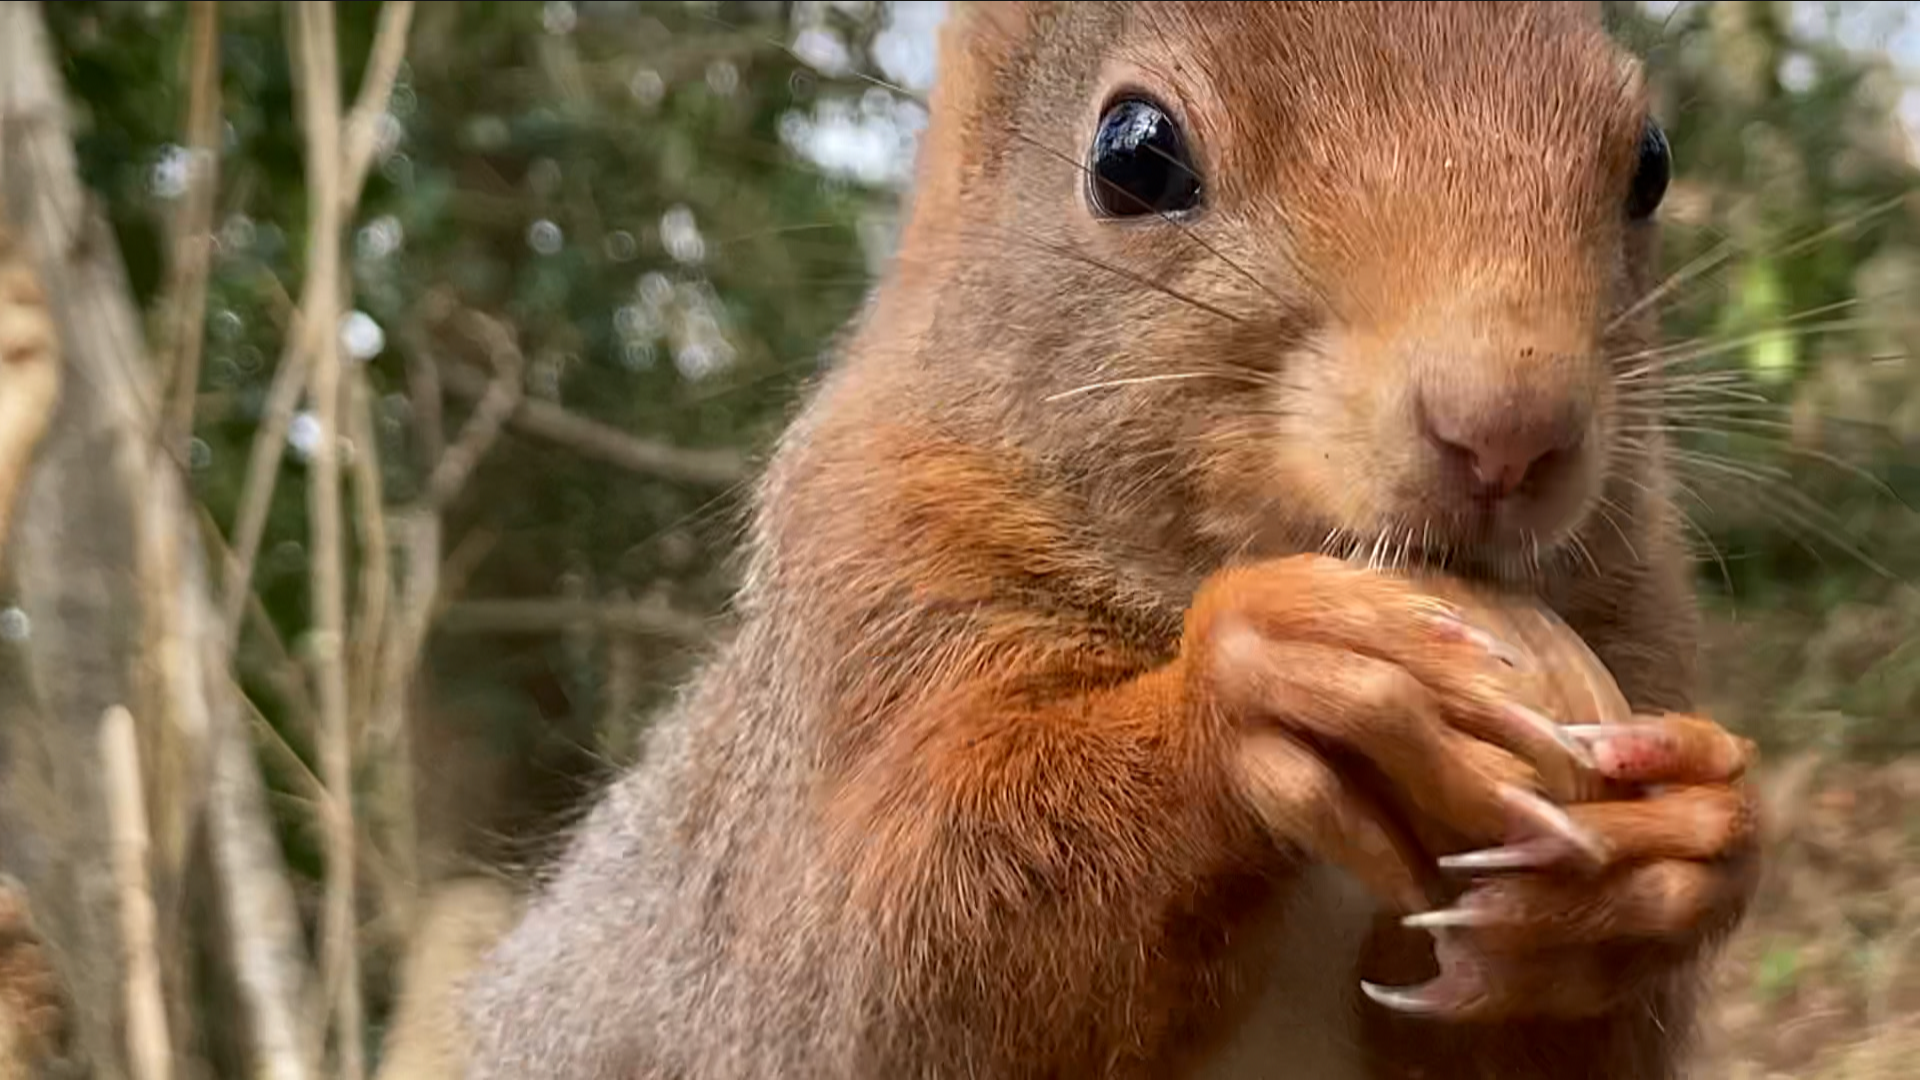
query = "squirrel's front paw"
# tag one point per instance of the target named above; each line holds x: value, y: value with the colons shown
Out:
x: 1678, y: 868
x: 1373, y: 722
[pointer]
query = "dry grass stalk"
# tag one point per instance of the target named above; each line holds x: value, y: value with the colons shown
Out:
x: 362, y: 136
x: 185, y: 301
x: 424, y: 587
x: 370, y: 625
x: 260, y: 912
x: 149, y: 1043
x: 263, y: 473
x: 361, y: 143
x: 318, y: 81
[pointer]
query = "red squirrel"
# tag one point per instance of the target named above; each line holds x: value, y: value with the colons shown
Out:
x: 1074, y: 723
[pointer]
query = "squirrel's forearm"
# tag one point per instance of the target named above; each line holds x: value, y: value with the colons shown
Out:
x: 1038, y: 870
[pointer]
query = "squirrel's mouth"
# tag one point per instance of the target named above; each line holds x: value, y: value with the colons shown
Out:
x: 1482, y: 541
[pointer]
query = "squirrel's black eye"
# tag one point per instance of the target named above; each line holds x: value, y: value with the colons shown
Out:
x: 1652, y: 175
x: 1140, y: 163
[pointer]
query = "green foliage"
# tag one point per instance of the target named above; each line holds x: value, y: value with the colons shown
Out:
x: 1790, y: 204
x: 1793, y: 229
x: 610, y: 178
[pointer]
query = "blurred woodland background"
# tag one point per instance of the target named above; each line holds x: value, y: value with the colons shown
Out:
x: 415, y: 357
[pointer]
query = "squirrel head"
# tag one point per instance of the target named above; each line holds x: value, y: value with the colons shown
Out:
x: 1262, y: 277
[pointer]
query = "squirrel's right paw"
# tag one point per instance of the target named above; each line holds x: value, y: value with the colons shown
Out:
x: 1361, y: 701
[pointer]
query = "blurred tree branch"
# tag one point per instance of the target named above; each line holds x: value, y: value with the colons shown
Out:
x: 498, y: 403
x: 29, y: 390
x: 648, y: 618
x: 422, y: 595
x: 184, y: 305
x: 82, y: 528
x: 363, y: 125
x: 601, y: 442
x: 317, y: 83
x: 149, y: 1042
x: 371, y: 624
x: 292, y: 372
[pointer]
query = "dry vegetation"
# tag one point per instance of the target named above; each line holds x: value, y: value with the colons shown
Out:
x: 1824, y: 982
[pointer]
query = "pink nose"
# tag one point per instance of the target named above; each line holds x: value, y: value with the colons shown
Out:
x: 1503, y: 446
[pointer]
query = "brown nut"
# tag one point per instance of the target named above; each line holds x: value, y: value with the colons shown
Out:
x: 1554, y: 671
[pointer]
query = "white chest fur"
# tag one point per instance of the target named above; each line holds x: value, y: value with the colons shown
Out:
x: 1306, y: 1024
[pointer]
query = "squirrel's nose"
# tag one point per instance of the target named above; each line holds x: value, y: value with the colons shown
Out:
x: 1503, y: 439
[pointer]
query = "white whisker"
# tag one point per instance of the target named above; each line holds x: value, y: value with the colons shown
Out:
x: 1143, y: 380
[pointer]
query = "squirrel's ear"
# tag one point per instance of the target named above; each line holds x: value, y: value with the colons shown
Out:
x: 980, y: 37
x: 969, y: 19
x: 963, y: 8
x: 980, y: 49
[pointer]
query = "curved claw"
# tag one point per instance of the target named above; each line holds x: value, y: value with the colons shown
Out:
x: 1560, y: 735
x: 1455, y: 918
x: 1416, y: 1001
x: 1547, y: 834
x: 1548, y: 837
x: 1457, y: 990
x: 1512, y: 858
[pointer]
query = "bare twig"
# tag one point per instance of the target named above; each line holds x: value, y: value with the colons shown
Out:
x: 149, y: 1044
x: 259, y: 906
x: 648, y: 618
x: 389, y: 738
x: 362, y: 136
x: 420, y: 600
x: 376, y: 570
x: 589, y: 438
x: 319, y: 88
x: 185, y: 300
x: 463, y: 562
x: 263, y: 471
x: 502, y: 398
x: 391, y: 734
x: 287, y: 675
x: 290, y: 378
x: 425, y: 395
x: 381, y: 713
